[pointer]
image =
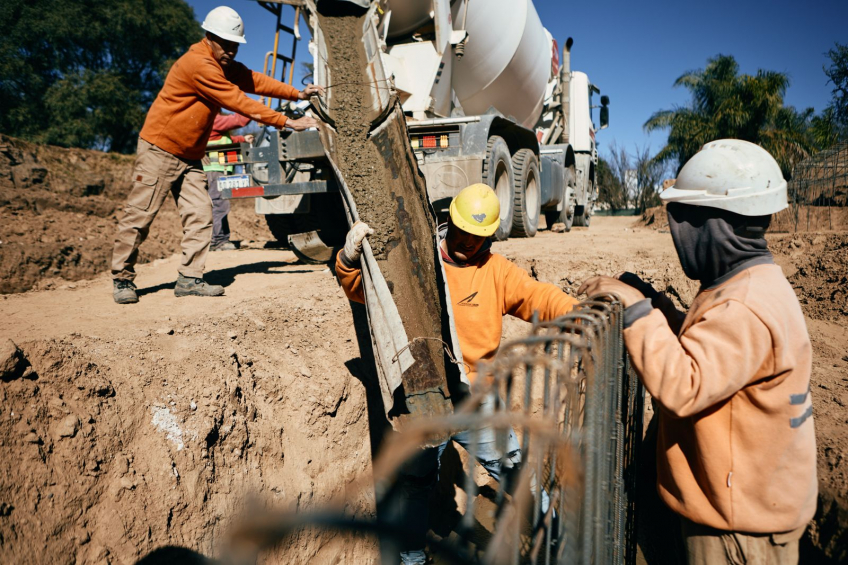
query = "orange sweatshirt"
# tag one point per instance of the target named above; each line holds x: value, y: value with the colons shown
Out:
x: 482, y: 293
x: 736, y: 447
x: 196, y: 88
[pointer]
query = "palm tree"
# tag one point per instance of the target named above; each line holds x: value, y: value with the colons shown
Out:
x: 726, y: 104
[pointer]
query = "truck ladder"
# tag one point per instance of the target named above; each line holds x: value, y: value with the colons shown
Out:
x: 276, y: 7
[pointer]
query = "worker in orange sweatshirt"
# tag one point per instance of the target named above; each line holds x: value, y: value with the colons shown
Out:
x: 736, y: 452
x: 172, y: 143
x: 484, y: 286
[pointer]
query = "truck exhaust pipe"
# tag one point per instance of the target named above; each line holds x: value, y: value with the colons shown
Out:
x: 565, y: 82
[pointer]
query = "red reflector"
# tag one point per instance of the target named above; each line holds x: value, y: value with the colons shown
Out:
x: 232, y: 157
x: 429, y: 141
x: 248, y: 191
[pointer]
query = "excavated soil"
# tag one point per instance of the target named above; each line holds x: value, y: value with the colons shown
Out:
x: 58, y: 211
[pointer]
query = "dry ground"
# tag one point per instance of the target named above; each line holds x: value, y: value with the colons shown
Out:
x: 156, y: 424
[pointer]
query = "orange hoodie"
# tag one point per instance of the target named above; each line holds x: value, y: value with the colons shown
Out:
x: 736, y: 447
x: 196, y: 88
x: 482, y: 293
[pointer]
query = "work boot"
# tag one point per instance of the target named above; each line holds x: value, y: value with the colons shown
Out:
x: 124, y: 291
x: 223, y: 246
x: 190, y: 286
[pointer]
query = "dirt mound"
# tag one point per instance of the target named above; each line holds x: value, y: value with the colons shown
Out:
x: 122, y: 445
x: 654, y: 218
x: 819, y: 272
x: 59, y: 209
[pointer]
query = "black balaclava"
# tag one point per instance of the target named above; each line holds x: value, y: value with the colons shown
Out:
x: 713, y: 243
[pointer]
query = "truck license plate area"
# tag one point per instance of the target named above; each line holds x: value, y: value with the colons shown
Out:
x: 234, y: 181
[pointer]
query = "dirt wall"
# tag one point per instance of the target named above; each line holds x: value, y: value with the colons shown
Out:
x: 58, y: 212
x: 117, y: 446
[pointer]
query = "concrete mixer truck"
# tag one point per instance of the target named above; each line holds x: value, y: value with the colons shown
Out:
x: 487, y: 98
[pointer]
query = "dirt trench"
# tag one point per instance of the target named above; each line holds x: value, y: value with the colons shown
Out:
x: 119, y: 443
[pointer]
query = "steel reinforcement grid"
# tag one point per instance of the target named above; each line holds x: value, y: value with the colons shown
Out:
x: 575, y: 406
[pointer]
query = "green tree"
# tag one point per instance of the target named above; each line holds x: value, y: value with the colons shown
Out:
x: 612, y: 190
x: 727, y: 104
x: 833, y: 124
x: 83, y: 73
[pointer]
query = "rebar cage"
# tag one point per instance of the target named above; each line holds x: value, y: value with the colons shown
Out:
x: 567, y: 392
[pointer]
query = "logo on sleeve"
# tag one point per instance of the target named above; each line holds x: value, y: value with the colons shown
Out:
x: 468, y: 301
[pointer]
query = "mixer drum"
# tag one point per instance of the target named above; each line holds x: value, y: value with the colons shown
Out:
x: 507, y: 62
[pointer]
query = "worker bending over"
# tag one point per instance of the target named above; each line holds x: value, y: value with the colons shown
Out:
x: 484, y: 287
x: 736, y: 452
x: 172, y: 143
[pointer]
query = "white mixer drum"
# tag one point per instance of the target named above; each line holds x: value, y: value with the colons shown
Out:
x: 507, y: 62
x: 408, y: 16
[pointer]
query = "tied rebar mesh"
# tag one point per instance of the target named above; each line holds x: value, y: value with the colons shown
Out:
x: 568, y: 393
x: 818, y: 193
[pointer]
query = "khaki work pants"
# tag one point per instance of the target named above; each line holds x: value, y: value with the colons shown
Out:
x: 708, y: 546
x: 155, y: 174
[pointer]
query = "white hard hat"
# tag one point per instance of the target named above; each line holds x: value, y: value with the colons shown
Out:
x: 732, y: 175
x: 225, y: 22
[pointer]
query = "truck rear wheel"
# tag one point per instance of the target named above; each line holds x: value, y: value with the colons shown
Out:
x: 566, y: 215
x: 497, y: 173
x: 528, y: 197
x: 583, y: 219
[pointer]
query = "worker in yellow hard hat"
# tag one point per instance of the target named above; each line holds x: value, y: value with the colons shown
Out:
x: 484, y: 286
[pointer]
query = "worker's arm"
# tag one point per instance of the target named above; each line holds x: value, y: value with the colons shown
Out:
x: 212, y: 85
x: 227, y: 122
x: 658, y: 300
x: 350, y: 277
x: 257, y: 83
x: 347, y: 261
x: 673, y: 316
x: 524, y: 295
x: 712, y: 360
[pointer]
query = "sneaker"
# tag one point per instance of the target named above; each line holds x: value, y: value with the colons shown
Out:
x: 124, y: 292
x: 224, y: 246
x: 190, y: 286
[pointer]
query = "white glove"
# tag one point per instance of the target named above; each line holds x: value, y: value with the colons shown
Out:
x: 353, y: 241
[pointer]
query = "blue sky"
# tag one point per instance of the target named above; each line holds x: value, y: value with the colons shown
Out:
x: 634, y: 51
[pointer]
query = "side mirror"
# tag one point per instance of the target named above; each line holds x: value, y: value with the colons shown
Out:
x: 604, y: 112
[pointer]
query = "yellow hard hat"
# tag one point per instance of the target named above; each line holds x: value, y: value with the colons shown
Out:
x: 476, y: 210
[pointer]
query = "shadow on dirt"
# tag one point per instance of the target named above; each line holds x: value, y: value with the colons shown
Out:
x: 173, y: 555
x: 226, y: 277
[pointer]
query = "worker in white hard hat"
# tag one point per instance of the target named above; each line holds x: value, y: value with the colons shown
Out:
x: 736, y: 453
x: 173, y: 141
x: 484, y: 286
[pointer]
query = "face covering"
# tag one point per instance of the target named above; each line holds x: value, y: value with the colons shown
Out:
x: 713, y: 243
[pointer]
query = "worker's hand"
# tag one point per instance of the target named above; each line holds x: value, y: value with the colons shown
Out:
x: 608, y: 285
x: 303, y: 123
x: 353, y: 241
x: 311, y: 90
x: 633, y: 280
x: 250, y: 138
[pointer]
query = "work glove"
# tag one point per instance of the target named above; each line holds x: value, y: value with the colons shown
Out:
x: 353, y: 241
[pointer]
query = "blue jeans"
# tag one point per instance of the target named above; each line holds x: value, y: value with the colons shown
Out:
x: 419, y: 476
